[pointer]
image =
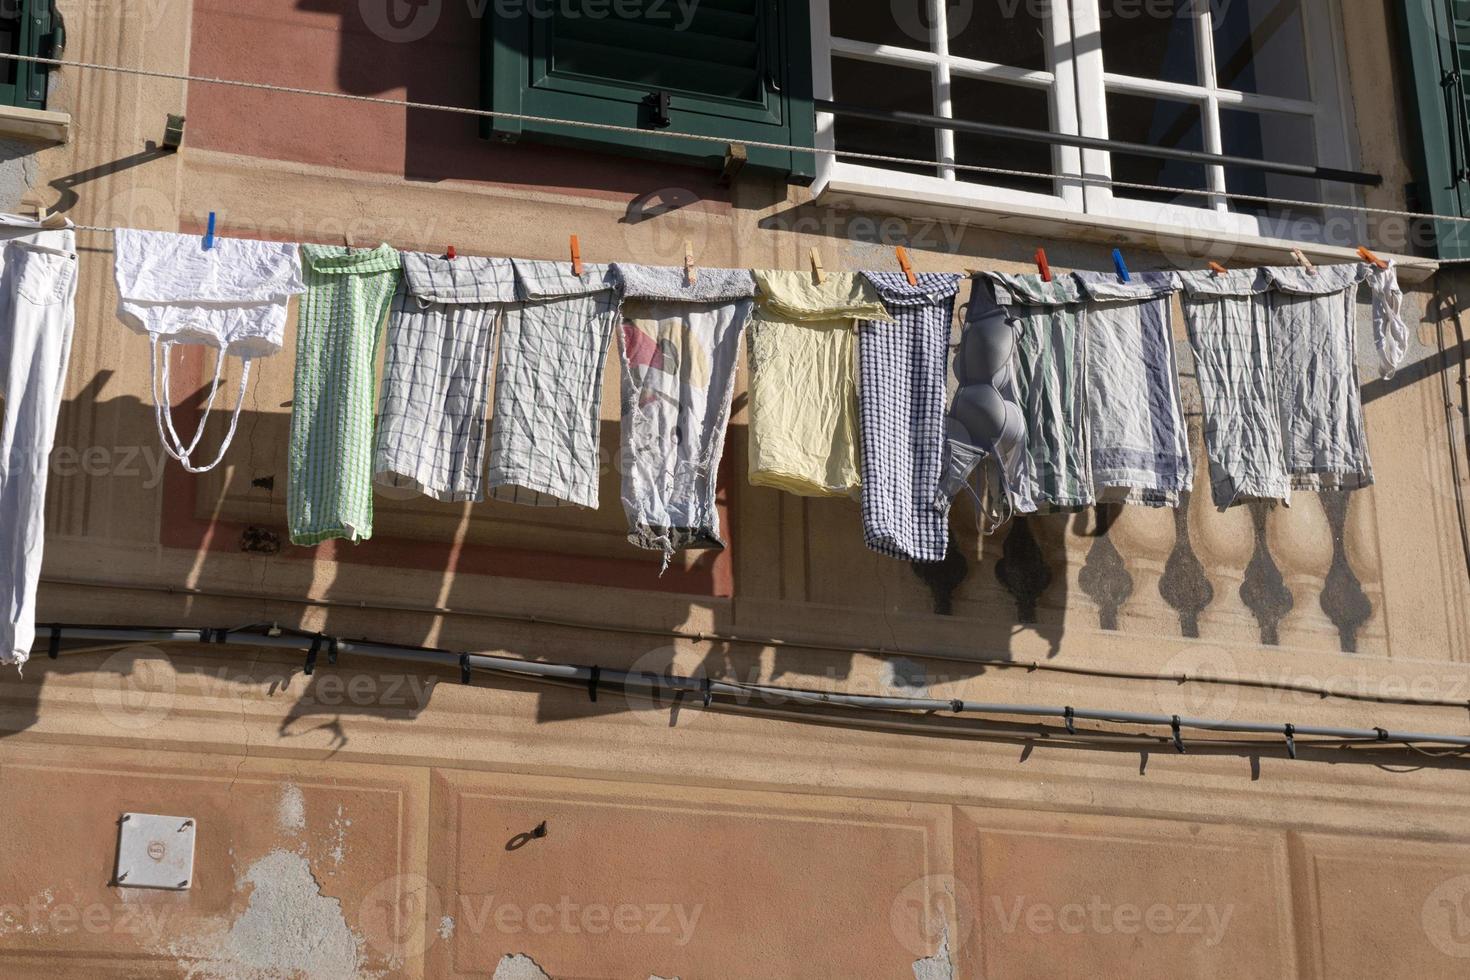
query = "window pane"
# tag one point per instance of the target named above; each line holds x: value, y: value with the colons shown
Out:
x: 1007, y: 105
x: 992, y: 32
x: 1151, y: 40
x: 1156, y: 122
x: 1260, y: 47
x: 875, y: 86
x: 1273, y: 136
x: 901, y: 23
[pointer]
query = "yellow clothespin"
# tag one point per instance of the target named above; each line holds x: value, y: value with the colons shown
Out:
x: 1303, y: 261
x: 576, y: 257
x: 689, y: 271
x: 906, y: 265
x: 818, y: 272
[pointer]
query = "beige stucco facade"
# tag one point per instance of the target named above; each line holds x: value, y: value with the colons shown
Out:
x: 374, y: 820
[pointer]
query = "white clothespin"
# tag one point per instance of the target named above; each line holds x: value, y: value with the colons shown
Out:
x: 1303, y: 261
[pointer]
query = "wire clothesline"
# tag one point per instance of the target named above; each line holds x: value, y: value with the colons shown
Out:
x: 1096, y: 179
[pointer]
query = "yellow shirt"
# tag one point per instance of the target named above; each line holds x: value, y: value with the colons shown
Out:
x: 803, y: 381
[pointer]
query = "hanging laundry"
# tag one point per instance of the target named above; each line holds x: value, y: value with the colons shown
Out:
x: 332, y: 414
x: 1057, y: 472
x: 232, y: 296
x: 901, y: 393
x: 548, y: 390
x: 436, y: 375
x: 802, y: 349
x: 1229, y: 321
x: 38, y: 288
x: 986, y: 427
x: 679, y: 346
x: 1390, y: 332
x: 1138, y: 442
x: 1314, y: 355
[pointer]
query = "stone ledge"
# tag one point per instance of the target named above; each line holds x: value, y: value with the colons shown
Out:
x: 35, y: 124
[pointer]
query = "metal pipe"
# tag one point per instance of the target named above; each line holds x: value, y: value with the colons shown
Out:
x: 655, y: 682
x: 926, y: 121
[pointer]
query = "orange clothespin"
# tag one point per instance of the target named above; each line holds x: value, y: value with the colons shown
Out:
x: 1043, y: 266
x: 1216, y: 269
x: 818, y: 273
x: 906, y: 265
x: 576, y: 257
x: 689, y: 270
x: 1303, y: 261
x: 1370, y: 258
x: 449, y: 253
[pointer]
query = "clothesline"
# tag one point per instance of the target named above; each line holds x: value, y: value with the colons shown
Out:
x: 847, y: 380
x: 1083, y: 178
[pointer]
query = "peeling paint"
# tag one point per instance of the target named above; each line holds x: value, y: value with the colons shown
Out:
x: 518, y: 966
x: 289, y: 928
x: 291, y: 809
x: 339, y: 838
x: 446, y: 927
x: 936, y: 967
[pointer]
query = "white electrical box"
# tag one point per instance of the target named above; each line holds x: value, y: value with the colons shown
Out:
x: 155, y: 851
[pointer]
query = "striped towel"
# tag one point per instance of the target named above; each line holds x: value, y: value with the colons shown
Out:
x: 1057, y: 472
x: 1137, y: 437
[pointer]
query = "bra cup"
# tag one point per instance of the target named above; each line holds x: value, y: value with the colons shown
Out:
x: 986, y: 347
x: 981, y: 410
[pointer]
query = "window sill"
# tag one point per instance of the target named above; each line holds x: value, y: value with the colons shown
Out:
x: 1183, y: 246
x: 41, y: 125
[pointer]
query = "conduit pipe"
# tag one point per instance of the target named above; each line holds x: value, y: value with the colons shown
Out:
x: 708, y: 689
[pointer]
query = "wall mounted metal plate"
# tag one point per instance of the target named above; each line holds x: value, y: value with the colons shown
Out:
x: 155, y: 851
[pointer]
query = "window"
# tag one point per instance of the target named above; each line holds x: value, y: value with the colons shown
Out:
x: 1436, y: 46
x: 27, y: 27
x: 1247, y: 78
x: 736, y: 69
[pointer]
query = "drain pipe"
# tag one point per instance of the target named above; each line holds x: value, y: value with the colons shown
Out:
x: 708, y: 689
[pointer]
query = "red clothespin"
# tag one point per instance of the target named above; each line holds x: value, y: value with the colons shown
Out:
x: 1370, y: 258
x: 449, y: 253
x: 906, y: 265
x: 1216, y: 269
x: 576, y: 257
x: 1043, y: 266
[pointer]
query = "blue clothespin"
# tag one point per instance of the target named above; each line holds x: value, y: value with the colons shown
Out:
x: 1121, y: 266
x: 209, y: 234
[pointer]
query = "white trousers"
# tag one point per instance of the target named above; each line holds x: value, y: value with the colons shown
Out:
x: 37, y: 315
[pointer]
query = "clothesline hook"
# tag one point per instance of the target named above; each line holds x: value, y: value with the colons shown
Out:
x: 1178, y: 738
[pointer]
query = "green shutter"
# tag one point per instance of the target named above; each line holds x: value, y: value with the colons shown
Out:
x: 1437, y: 39
x: 28, y: 27
x: 737, y: 69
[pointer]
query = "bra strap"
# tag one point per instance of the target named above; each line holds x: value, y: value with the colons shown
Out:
x: 163, y: 412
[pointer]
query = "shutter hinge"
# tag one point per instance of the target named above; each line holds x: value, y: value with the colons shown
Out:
x: 1446, y: 79
x: 658, y: 109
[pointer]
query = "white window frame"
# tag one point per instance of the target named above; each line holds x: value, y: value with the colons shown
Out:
x: 1077, y: 86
